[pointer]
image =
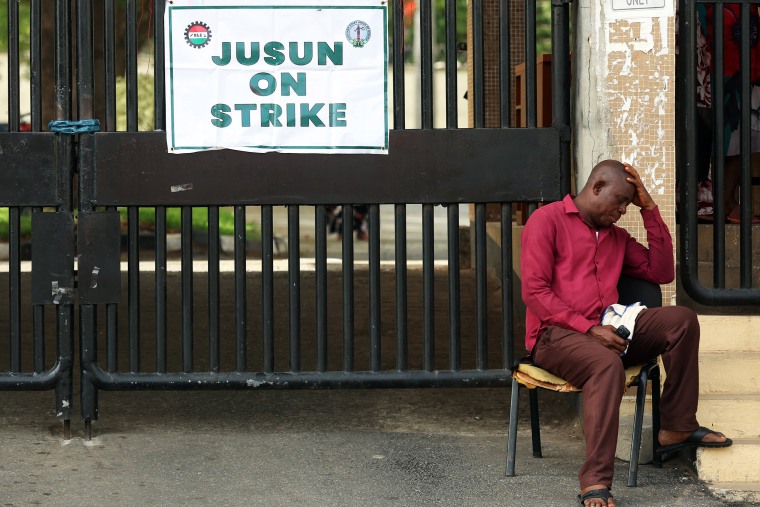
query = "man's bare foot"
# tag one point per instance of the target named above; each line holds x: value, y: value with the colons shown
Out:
x: 597, y: 502
x: 674, y: 437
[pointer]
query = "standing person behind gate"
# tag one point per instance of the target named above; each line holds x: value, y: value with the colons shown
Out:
x: 572, y: 258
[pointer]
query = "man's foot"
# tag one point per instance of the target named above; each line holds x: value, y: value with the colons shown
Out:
x: 676, y: 437
x: 597, y: 498
x: 671, y: 441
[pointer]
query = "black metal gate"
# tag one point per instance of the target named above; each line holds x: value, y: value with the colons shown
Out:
x: 230, y: 306
x: 699, y: 141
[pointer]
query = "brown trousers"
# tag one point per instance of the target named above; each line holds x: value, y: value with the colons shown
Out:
x: 672, y: 332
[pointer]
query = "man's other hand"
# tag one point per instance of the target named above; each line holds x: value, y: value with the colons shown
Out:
x: 641, y: 198
x: 607, y: 337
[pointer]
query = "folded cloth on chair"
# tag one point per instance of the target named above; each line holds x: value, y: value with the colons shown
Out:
x: 621, y: 315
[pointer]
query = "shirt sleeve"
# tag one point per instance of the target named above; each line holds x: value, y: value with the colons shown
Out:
x: 656, y: 263
x: 537, y: 271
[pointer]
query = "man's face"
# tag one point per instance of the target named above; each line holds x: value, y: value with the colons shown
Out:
x: 610, y: 202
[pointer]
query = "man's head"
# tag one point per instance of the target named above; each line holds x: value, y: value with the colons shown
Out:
x: 606, y: 195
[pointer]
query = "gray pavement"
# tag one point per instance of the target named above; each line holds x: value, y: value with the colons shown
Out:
x: 306, y: 448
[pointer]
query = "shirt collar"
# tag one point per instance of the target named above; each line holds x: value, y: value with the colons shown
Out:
x: 570, y: 206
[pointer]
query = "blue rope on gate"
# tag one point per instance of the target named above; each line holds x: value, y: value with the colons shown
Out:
x: 74, y: 126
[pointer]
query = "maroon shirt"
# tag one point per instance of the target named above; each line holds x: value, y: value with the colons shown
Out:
x: 569, y: 277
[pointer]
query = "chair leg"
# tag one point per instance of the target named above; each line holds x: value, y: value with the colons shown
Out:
x: 512, y: 439
x: 655, y: 377
x: 638, y: 422
x: 535, y: 429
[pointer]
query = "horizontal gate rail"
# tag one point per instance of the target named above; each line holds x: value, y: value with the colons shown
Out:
x: 423, y: 166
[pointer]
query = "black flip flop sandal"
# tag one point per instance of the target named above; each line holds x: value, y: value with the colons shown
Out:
x: 694, y: 440
x: 604, y: 494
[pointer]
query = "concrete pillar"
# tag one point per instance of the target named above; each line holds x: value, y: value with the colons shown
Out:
x: 624, y: 99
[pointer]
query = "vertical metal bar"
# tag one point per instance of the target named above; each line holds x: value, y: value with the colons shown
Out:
x: 426, y: 63
x: 745, y: 185
x: 134, y: 288
x: 687, y: 54
x: 348, y: 287
x: 561, y: 87
x: 131, y: 77
x: 507, y: 285
x: 14, y: 289
x: 428, y: 287
x: 267, y: 286
x: 505, y: 66
x: 63, y: 61
x: 481, y: 287
x: 455, y: 327
x: 109, y: 65
x: 35, y: 56
x: 294, y: 285
x: 112, y: 338
x: 160, y: 275
x: 213, y: 288
x: 530, y: 65
x: 402, y: 339
x: 39, y: 330
x: 320, y: 231
x: 719, y: 159
x: 374, y: 286
x: 478, y: 92
x: 64, y: 153
x: 187, y: 288
x: 159, y: 108
x: 452, y: 116
x: 241, y: 316
x: 14, y: 88
x: 399, y: 91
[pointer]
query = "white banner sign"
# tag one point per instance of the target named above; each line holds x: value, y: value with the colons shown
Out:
x: 297, y: 77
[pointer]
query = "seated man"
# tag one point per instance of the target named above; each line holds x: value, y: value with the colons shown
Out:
x: 572, y: 258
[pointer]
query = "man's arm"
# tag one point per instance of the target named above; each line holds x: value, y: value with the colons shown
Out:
x: 656, y: 263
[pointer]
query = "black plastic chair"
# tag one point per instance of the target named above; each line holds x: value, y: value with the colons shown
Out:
x: 630, y: 290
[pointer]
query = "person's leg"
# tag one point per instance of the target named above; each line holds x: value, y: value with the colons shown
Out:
x: 672, y: 332
x: 599, y: 372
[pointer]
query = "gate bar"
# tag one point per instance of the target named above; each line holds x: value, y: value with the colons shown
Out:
x: 213, y: 288
x: 481, y: 286
x: 159, y: 108
x: 399, y: 89
x: 321, y: 272
x: 505, y: 66
x: 161, y: 288
x: 294, y: 284
x: 426, y: 64
x: 402, y: 337
x: 455, y: 326
x: 241, y: 315
x: 507, y: 286
x: 35, y: 56
x: 348, y: 286
x: 133, y: 273
x: 719, y: 163
x: 14, y: 87
x: 374, y: 286
x: 186, y: 225
x: 428, y: 287
x: 267, y: 287
x: 478, y: 92
x: 109, y: 64
x: 451, y: 65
